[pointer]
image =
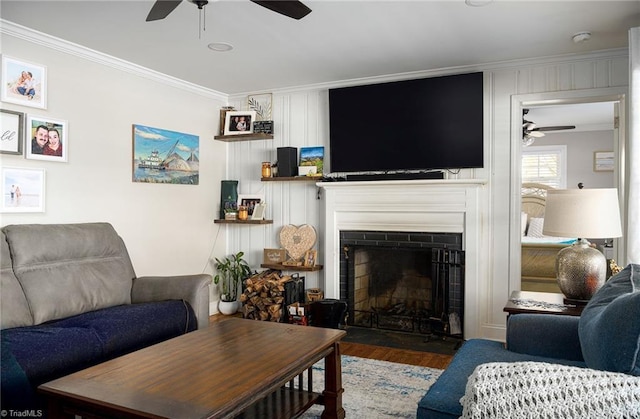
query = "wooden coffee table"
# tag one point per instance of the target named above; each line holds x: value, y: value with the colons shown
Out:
x: 233, y: 368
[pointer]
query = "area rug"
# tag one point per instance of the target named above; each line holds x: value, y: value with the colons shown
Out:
x: 377, y: 389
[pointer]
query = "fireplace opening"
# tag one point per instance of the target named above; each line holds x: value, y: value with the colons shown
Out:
x: 405, y: 282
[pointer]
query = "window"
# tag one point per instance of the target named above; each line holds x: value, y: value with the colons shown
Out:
x: 546, y: 165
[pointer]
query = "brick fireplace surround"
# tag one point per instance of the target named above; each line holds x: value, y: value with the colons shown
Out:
x: 432, y: 206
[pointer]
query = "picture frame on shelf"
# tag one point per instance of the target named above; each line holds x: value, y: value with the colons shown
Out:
x: 310, y: 258
x: 313, y: 157
x: 603, y: 161
x: 22, y: 190
x: 274, y: 256
x: 258, y: 211
x: 239, y: 122
x: 12, y: 132
x: 261, y: 103
x: 250, y: 201
x: 46, y: 139
x: 24, y: 83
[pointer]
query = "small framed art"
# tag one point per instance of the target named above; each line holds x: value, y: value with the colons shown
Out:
x: 48, y: 139
x: 24, y: 83
x: 310, y: 258
x: 312, y: 157
x: 603, y: 161
x: 22, y: 190
x: 258, y: 211
x: 11, y: 131
x: 239, y: 122
x: 250, y: 201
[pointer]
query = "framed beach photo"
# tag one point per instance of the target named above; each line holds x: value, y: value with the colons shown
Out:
x: 46, y: 139
x: 11, y: 132
x: 239, y: 122
x: 250, y: 201
x: 22, y: 190
x: 24, y: 83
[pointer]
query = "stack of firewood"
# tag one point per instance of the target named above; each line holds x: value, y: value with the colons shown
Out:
x: 264, y: 295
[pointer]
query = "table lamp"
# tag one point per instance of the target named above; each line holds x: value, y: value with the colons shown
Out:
x: 593, y: 213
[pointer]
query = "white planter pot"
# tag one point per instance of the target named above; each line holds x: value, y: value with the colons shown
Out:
x: 228, y: 307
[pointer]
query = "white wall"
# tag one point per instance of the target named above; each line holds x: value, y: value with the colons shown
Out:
x: 168, y: 229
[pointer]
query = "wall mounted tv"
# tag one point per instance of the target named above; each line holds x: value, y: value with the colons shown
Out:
x: 404, y: 126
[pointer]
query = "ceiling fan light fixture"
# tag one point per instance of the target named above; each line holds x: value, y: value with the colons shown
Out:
x: 220, y: 46
x: 581, y: 36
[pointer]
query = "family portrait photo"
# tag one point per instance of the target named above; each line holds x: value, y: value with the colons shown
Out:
x: 24, y: 83
x: 46, y: 139
x: 22, y: 190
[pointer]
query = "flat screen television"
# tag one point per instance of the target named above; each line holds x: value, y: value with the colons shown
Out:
x: 411, y: 125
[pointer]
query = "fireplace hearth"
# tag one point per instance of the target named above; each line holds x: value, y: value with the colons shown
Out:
x: 403, y: 281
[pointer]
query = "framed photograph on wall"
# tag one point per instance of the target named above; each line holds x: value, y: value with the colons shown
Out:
x: 239, y: 122
x: 250, y: 201
x: 24, y: 83
x: 11, y: 131
x: 22, y: 190
x: 46, y: 139
x: 603, y: 161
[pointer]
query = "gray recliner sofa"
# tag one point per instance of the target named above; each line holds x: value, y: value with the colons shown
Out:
x: 71, y: 299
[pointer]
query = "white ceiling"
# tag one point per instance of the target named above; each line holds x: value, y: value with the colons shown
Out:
x: 337, y: 41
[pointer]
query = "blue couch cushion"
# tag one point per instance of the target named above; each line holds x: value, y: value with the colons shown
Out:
x: 609, y: 327
x: 51, y: 350
x: 443, y: 398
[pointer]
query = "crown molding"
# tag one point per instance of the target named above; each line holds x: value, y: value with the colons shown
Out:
x: 9, y: 28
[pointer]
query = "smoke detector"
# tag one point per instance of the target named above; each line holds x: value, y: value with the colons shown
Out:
x: 581, y: 36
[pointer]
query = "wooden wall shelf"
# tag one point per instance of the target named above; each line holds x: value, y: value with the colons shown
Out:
x: 292, y: 179
x: 243, y: 137
x: 243, y: 221
x: 281, y: 267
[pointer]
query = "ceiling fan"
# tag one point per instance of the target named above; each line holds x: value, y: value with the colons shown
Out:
x: 290, y: 8
x: 530, y: 131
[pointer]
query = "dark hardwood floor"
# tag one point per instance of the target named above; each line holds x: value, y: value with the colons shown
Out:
x: 402, y: 356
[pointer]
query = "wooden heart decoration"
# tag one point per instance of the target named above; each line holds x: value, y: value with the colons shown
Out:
x: 297, y: 240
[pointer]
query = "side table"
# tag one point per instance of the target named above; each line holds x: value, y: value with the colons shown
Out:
x: 540, y: 303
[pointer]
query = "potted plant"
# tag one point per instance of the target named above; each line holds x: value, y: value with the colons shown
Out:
x: 231, y: 270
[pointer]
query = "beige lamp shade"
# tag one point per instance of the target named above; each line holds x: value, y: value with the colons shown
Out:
x: 585, y: 213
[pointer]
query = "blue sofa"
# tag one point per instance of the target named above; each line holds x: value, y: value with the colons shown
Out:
x: 71, y: 299
x: 606, y: 337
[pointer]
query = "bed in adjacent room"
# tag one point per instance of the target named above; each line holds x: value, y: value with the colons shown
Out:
x: 538, y: 257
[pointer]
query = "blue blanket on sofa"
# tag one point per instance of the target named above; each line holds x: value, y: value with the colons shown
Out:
x: 34, y: 355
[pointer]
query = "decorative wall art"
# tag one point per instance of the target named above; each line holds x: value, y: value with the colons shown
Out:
x: 46, y: 139
x: 603, y: 161
x: 163, y: 156
x: 250, y: 201
x: 22, y: 190
x: 314, y: 157
x: 11, y: 132
x: 261, y: 104
x: 239, y: 122
x: 297, y: 240
x: 24, y: 83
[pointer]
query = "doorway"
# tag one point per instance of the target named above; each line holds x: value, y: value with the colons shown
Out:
x: 546, y: 103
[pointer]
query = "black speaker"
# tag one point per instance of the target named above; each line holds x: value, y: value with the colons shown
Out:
x: 287, y: 161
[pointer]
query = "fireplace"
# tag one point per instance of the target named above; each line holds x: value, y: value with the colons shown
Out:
x: 449, y: 206
x: 403, y: 281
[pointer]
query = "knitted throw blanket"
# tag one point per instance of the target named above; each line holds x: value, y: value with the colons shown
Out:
x: 542, y: 390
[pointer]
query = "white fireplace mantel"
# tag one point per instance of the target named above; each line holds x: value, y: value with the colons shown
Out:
x: 436, y: 206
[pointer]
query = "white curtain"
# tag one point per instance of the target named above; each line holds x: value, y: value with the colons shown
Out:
x: 633, y: 149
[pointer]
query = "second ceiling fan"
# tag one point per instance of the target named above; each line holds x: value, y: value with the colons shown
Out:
x: 530, y: 131
x: 290, y: 8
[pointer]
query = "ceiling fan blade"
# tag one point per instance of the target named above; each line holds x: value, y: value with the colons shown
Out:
x: 161, y: 9
x: 291, y: 8
x: 556, y: 128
